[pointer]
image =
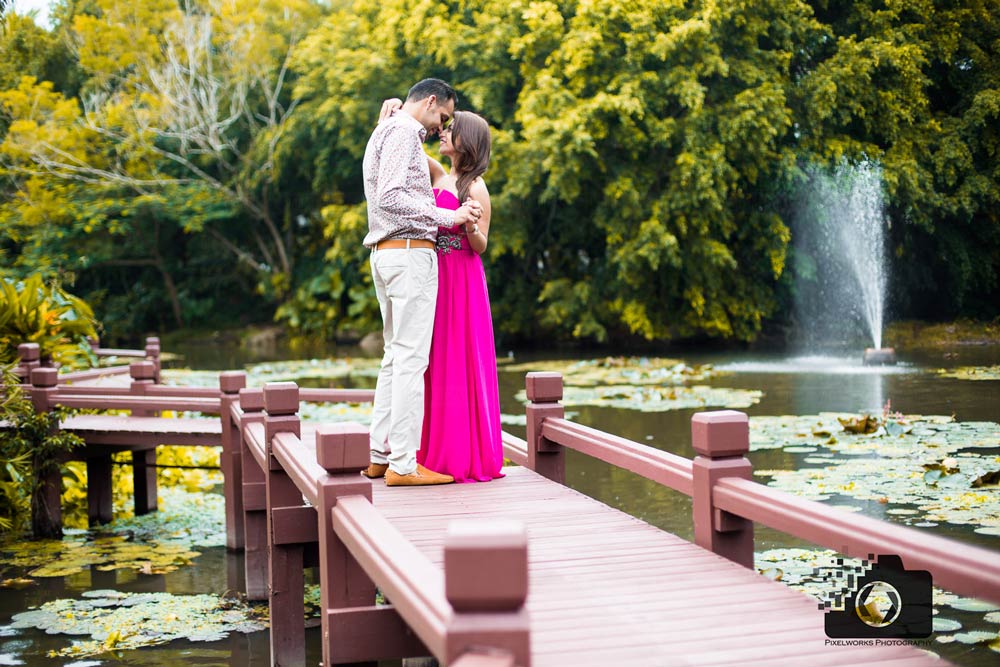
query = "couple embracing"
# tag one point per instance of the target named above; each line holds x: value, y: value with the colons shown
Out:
x: 436, y: 415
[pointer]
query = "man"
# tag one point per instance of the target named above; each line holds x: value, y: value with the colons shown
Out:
x: 402, y: 227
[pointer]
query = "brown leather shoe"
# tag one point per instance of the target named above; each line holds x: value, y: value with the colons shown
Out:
x: 375, y: 470
x: 422, y: 477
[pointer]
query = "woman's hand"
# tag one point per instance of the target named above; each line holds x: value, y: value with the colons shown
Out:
x: 390, y: 107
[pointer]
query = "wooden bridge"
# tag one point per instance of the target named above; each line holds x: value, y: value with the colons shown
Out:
x: 523, y: 570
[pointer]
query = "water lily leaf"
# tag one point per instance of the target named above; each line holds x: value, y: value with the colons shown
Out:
x: 894, y: 428
x: 119, y: 621
x: 862, y: 424
x: 621, y: 371
x: 972, y: 373
x: 990, y: 478
x: 932, y: 476
x: 947, y: 466
x: 966, y: 604
x: 657, y: 399
x: 889, y: 470
x: 154, y: 543
x: 976, y: 637
x: 946, y: 625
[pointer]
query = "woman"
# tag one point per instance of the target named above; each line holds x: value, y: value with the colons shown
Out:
x: 461, y: 434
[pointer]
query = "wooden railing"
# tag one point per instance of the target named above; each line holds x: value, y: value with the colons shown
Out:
x: 29, y: 355
x: 290, y: 505
x: 303, y: 503
x: 726, y: 503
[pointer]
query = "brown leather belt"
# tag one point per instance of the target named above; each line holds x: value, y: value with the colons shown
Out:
x: 394, y: 244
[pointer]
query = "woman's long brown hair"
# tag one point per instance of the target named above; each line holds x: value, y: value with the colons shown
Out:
x: 472, y: 150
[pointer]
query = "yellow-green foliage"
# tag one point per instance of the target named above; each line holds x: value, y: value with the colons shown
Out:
x: 647, y: 153
x: 28, y: 449
x: 34, y: 312
x: 74, y: 497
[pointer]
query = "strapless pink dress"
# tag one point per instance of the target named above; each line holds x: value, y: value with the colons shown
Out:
x: 461, y: 434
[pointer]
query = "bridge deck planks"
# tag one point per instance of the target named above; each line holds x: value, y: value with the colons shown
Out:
x: 607, y: 588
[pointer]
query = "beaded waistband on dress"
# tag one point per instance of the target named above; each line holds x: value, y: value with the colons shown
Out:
x: 447, y: 242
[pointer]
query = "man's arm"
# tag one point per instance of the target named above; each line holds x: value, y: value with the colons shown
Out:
x: 393, y: 194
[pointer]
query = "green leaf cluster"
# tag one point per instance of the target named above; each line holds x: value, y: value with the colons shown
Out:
x: 30, y: 447
x: 60, y: 323
x: 648, y: 155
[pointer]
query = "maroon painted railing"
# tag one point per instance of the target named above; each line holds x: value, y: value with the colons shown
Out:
x: 106, y: 435
x: 29, y: 355
x: 315, y: 498
x: 726, y: 503
x: 289, y: 505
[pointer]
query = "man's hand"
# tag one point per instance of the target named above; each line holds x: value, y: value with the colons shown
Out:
x: 390, y: 107
x: 469, y: 213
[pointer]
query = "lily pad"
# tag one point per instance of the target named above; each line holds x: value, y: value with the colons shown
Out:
x: 972, y: 373
x: 621, y: 371
x: 283, y: 371
x: 889, y: 469
x: 965, y: 604
x: 820, y: 573
x: 945, y: 624
x: 657, y: 399
x: 862, y: 424
x: 975, y: 637
x: 327, y: 369
x: 115, y: 620
x: 154, y: 543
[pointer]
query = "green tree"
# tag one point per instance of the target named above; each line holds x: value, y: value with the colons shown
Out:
x: 915, y: 85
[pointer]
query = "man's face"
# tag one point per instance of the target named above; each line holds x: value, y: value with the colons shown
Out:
x: 435, y: 116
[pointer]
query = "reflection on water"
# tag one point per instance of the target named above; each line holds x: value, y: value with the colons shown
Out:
x: 815, y: 364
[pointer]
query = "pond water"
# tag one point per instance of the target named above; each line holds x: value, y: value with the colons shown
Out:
x: 789, y: 385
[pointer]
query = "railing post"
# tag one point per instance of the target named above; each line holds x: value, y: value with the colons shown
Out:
x: 254, y: 499
x: 343, y: 451
x: 143, y: 374
x: 30, y: 355
x: 489, y: 613
x: 46, y: 499
x: 153, y: 355
x: 230, y: 383
x: 722, y: 440
x: 544, y: 391
x: 285, y: 562
x: 143, y: 460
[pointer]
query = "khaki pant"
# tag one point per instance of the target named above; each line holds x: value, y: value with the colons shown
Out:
x: 406, y: 283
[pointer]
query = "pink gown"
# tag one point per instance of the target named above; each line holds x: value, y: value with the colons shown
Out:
x: 461, y: 434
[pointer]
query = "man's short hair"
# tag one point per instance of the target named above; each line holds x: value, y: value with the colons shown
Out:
x: 424, y: 89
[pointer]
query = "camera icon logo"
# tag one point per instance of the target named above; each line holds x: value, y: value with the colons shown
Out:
x: 879, y: 600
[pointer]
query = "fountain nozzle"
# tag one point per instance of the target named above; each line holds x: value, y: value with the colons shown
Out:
x: 879, y: 356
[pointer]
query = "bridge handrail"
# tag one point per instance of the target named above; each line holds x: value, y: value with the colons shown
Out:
x: 404, y: 575
x: 303, y: 470
x: 118, y: 352
x: 336, y: 395
x: 148, y: 403
x: 255, y: 440
x: 29, y: 355
x: 654, y: 464
x: 93, y: 373
x: 317, y: 495
x: 955, y: 566
x: 726, y: 502
x: 514, y: 448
